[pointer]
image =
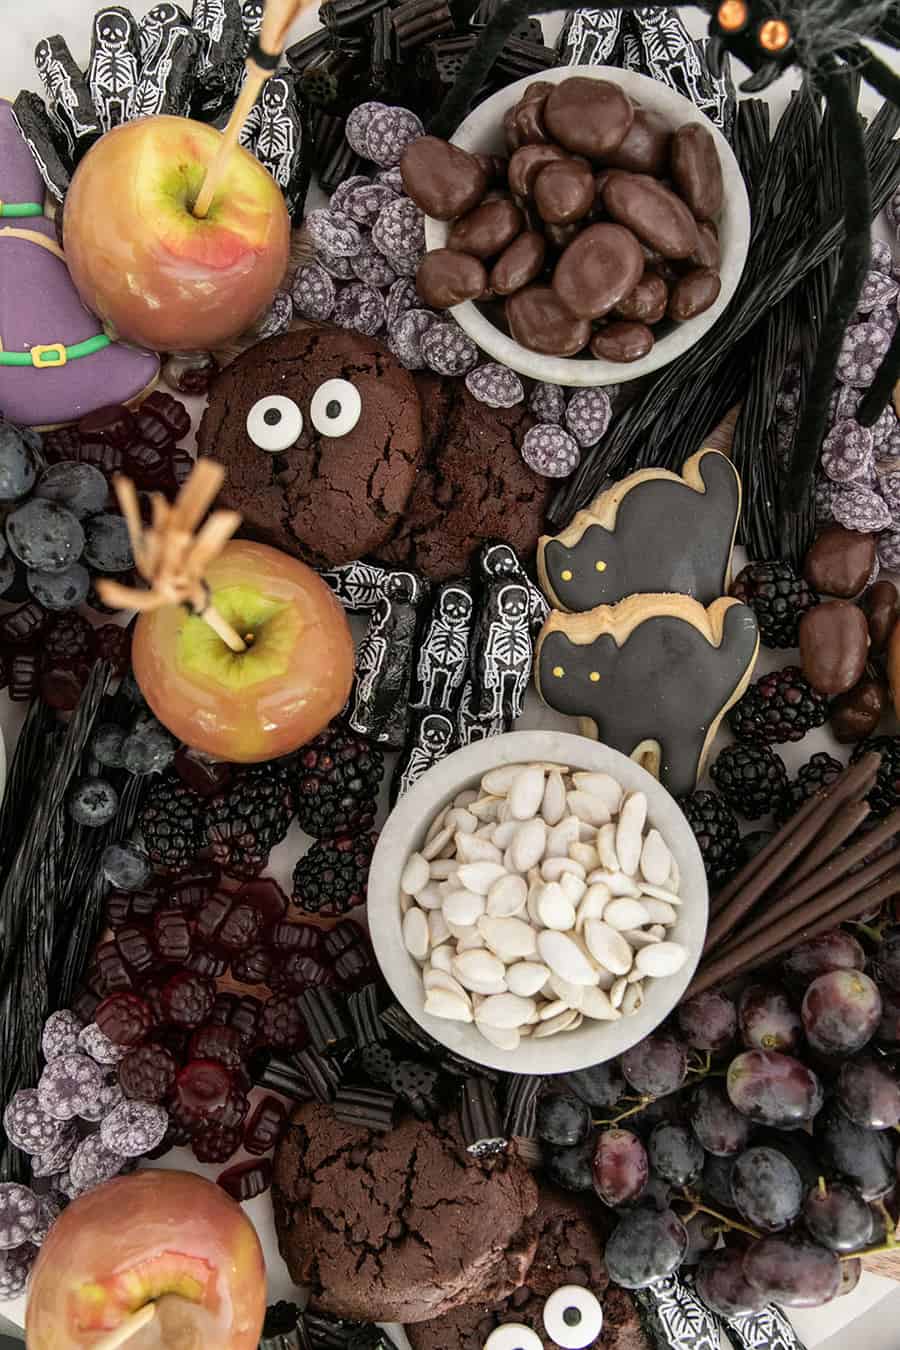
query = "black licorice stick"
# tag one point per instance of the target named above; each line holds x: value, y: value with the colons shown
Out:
x: 369, y: 1108
x: 522, y: 1093
x: 480, y: 1118
x: 321, y: 1073
x: 282, y: 1076
x: 328, y: 1027
x: 362, y: 1009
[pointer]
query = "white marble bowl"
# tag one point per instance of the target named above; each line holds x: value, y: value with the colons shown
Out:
x: 482, y: 133
x: 405, y: 831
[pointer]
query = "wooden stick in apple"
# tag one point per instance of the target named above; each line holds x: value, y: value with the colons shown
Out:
x: 170, y: 556
x: 130, y: 1327
x: 261, y: 63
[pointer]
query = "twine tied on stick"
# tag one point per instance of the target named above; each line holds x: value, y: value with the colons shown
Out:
x: 170, y: 557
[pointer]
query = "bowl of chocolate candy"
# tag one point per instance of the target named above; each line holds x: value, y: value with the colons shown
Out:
x: 585, y: 228
x: 537, y: 902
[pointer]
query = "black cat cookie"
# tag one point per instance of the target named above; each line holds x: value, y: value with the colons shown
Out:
x: 653, y: 674
x: 654, y: 532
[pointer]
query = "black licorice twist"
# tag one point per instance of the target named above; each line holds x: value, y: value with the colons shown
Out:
x: 324, y: 1017
x: 366, y: 1107
x: 825, y: 39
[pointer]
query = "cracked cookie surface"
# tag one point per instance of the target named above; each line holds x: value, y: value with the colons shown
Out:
x: 398, y: 1227
x: 325, y: 499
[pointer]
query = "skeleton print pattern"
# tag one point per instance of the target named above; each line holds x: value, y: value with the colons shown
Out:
x: 168, y: 49
x: 431, y: 739
x: 68, y: 96
x: 669, y: 54
x: 113, y: 70
x: 591, y: 37
x: 379, y: 700
x: 497, y: 561
x: 504, y: 654
x: 279, y: 143
x: 443, y: 658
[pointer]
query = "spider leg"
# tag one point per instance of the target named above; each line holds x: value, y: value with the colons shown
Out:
x: 767, y: 74
x: 835, y: 83
x: 876, y: 73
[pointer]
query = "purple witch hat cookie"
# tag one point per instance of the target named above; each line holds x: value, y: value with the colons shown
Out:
x: 56, y: 363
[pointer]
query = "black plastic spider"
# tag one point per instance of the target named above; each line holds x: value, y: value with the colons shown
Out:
x: 824, y: 39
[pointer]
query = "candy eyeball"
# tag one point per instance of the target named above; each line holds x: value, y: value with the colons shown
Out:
x: 513, y: 1336
x: 335, y: 408
x: 573, y: 1317
x: 274, y: 423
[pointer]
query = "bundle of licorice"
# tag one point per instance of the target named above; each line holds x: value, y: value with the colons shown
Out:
x: 798, y: 228
x: 817, y: 872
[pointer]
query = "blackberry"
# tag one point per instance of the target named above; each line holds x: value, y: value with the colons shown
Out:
x: 885, y: 795
x: 244, y: 823
x: 778, y: 597
x: 336, y: 784
x: 753, y: 843
x: 215, y: 1142
x: 716, y: 831
x: 751, y: 778
x: 171, y: 823
x: 819, y: 772
x: 781, y: 706
x: 331, y: 878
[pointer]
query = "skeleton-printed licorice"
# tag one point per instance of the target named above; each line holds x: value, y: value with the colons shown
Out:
x: 442, y: 662
x: 69, y: 100
x: 379, y: 700
x: 113, y: 71
x: 168, y: 51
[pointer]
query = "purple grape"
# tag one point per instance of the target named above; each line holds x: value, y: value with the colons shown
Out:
x: 715, y: 1184
x: 767, y: 1020
x: 773, y: 1089
x: 675, y: 1154
x: 766, y: 1188
x: 645, y: 1247
x: 563, y: 1120
x: 792, y: 1270
x: 718, y: 1125
x: 841, y: 1012
x: 721, y: 1284
x: 656, y: 1066
x: 708, y: 1021
x: 887, y: 960
x: 863, y: 1158
x: 869, y: 1094
x: 838, y: 1217
x: 621, y: 1168
x: 816, y: 956
x: 571, y: 1168
x: 600, y: 1085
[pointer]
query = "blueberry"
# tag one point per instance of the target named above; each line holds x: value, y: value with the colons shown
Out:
x: 106, y: 745
x: 148, y: 747
x: 80, y: 487
x: 93, y: 802
x: 59, y: 590
x: 126, y: 867
x: 45, y: 536
x: 17, y: 472
x: 107, y: 546
x: 571, y: 1168
x: 563, y: 1120
x: 131, y: 690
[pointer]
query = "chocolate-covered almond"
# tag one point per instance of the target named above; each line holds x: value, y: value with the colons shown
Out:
x: 540, y: 321
x: 840, y: 562
x: 694, y: 293
x: 622, y: 341
x: 645, y: 148
x: 652, y: 211
x: 494, y: 166
x: 442, y: 179
x: 518, y: 264
x: 598, y: 270
x: 446, y: 278
x: 834, y: 646
x: 510, y: 130
x: 526, y: 163
x: 880, y: 605
x: 708, y: 252
x: 647, y: 302
x: 591, y: 117
x: 564, y: 191
x: 487, y: 230
x: 529, y: 120
x: 696, y: 170
x: 856, y: 714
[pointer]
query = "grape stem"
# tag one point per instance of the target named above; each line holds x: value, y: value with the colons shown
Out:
x: 698, y: 1207
x: 642, y: 1102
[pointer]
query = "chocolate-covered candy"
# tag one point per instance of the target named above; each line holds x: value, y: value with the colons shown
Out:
x: 880, y: 605
x: 442, y: 179
x: 652, y: 211
x: 622, y: 341
x: 840, y: 562
x: 696, y: 170
x: 528, y: 118
x: 645, y: 148
x: 856, y: 714
x: 487, y: 230
x: 694, y: 293
x: 708, y: 253
x: 564, y: 191
x: 591, y: 117
x: 510, y: 130
x: 647, y: 302
x: 527, y: 163
x: 539, y: 320
x: 834, y: 645
x: 598, y: 270
x: 446, y: 278
x: 495, y: 167
x: 518, y: 264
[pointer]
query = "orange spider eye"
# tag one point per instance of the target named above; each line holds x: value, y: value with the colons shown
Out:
x: 774, y: 35
x: 733, y: 15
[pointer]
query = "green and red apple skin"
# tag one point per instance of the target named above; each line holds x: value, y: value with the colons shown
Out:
x: 168, y: 1238
x: 271, y: 699
x: 152, y: 271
